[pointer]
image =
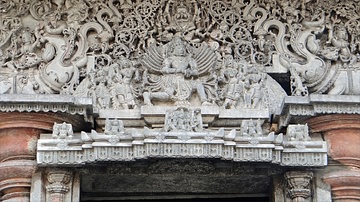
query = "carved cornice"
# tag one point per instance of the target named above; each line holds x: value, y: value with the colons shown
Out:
x: 301, y: 108
x: 45, y: 103
x: 121, y: 144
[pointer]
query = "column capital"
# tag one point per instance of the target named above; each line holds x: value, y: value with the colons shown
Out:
x: 298, y: 184
x: 58, y: 182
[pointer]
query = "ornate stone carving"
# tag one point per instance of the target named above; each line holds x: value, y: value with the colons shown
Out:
x: 123, y: 62
x: 314, y: 104
x: 52, y: 54
x: 299, y: 185
x: 182, y: 120
x: 181, y: 68
x: 58, y: 184
x: 62, y: 131
x: 178, y: 140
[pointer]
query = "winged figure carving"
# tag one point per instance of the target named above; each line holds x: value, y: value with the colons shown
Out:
x: 175, y: 70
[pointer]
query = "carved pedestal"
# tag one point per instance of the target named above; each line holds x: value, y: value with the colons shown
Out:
x: 342, y: 133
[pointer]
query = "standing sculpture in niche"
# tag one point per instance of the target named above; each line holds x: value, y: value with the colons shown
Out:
x: 251, y: 128
x: 180, y: 71
x: 103, y: 95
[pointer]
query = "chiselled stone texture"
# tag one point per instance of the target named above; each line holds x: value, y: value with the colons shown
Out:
x: 58, y: 185
x: 299, y: 109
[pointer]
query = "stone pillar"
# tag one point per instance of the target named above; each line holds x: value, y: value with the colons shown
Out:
x: 17, y: 162
x: 298, y: 185
x: 19, y: 133
x: 342, y: 133
x: 58, y: 185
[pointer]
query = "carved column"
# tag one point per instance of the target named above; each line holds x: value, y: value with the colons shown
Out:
x: 342, y: 133
x: 58, y: 185
x: 17, y: 162
x: 19, y: 133
x: 298, y: 188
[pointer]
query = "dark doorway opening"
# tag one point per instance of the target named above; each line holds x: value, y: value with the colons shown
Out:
x: 225, y: 199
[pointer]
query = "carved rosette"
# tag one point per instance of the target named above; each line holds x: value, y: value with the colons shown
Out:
x: 58, y: 185
x: 298, y: 185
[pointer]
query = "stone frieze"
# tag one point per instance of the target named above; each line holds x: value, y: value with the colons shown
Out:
x: 181, y: 137
x: 124, y: 55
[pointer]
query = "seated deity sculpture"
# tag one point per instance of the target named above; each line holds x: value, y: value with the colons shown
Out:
x: 62, y: 131
x: 180, y: 75
x: 113, y: 127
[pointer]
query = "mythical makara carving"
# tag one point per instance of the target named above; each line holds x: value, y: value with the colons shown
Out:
x: 126, y: 54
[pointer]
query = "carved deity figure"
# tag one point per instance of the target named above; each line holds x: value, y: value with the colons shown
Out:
x: 62, y: 131
x: 234, y: 87
x: 180, y: 76
x: 103, y: 95
x: 339, y: 39
x: 183, y: 119
x: 122, y: 90
x: 251, y: 128
x: 113, y: 127
x: 254, y: 84
x: 182, y: 20
x: 26, y: 56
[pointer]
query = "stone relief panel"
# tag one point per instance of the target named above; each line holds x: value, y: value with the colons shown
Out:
x: 126, y: 54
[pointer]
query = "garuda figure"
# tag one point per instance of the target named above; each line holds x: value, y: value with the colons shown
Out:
x: 176, y: 70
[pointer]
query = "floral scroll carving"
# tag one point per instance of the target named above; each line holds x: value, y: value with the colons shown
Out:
x: 127, y: 54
